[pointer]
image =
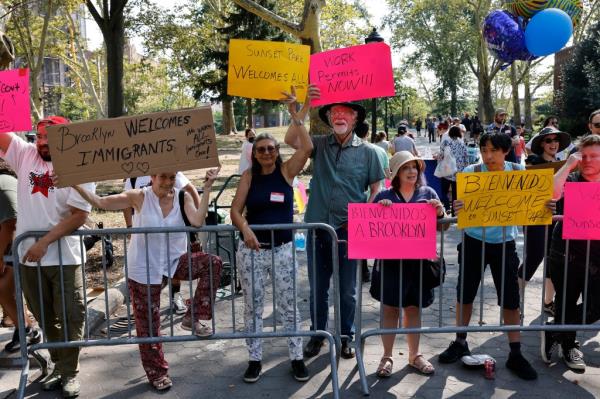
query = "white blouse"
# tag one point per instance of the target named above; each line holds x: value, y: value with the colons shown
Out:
x: 157, y: 263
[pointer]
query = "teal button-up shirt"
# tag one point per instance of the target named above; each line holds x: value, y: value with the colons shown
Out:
x: 341, y: 175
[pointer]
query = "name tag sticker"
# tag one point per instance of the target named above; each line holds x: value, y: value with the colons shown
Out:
x: 277, y: 197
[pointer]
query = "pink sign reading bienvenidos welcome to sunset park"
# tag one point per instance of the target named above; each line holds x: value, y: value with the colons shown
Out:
x: 399, y: 231
x: 15, y: 111
x: 353, y: 73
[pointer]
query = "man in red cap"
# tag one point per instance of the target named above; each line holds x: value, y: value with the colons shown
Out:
x: 60, y: 211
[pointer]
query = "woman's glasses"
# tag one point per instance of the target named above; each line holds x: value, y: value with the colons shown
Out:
x: 550, y: 141
x: 269, y: 149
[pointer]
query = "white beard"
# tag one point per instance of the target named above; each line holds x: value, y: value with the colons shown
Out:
x: 340, y: 129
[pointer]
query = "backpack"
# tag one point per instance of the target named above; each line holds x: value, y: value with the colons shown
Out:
x: 193, y: 236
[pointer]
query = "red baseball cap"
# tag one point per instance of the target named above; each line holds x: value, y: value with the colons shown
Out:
x: 51, y: 120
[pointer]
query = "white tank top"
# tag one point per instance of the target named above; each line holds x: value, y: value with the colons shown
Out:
x: 158, y: 263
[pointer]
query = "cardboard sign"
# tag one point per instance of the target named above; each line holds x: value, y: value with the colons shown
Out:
x: 259, y: 69
x: 353, y: 73
x: 505, y: 198
x: 15, y: 111
x: 400, y: 231
x: 554, y: 165
x: 133, y: 146
x: 581, y: 219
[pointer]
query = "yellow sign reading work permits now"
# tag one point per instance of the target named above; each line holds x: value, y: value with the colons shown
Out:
x: 259, y: 69
x: 505, y: 198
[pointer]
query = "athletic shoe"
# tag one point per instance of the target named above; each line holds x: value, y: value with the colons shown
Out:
x: 32, y: 336
x: 252, y: 373
x: 300, y: 371
x: 52, y: 382
x: 549, y: 346
x: 177, y: 304
x: 454, y: 352
x: 70, y: 387
x: 573, y: 358
x: 313, y: 347
x: 521, y: 367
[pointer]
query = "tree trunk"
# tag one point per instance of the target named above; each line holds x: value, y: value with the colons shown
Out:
x: 114, y: 40
x: 228, y: 119
x: 249, y: 113
x: 515, y: 94
x: 453, y: 103
x: 527, y: 102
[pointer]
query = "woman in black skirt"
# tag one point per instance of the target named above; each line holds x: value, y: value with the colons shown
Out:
x: 407, y: 187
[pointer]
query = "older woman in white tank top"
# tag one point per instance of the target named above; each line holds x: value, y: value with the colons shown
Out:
x: 150, y: 265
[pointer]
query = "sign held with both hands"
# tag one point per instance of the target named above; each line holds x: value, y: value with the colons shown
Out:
x: 133, y: 146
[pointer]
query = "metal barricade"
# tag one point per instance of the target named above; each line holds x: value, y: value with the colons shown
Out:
x: 221, y: 330
x: 488, y: 322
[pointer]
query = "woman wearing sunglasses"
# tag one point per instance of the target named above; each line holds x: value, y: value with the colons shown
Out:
x: 545, y: 146
x: 265, y: 196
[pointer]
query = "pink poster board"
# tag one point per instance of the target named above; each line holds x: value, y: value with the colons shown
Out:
x: 400, y: 231
x: 15, y: 112
x: 582, y: 211
x: 353, y: 73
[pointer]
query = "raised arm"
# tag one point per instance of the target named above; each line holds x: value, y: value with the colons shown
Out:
x: 560, y: 177
x: 115, y: 202
x: 197, y: 216
x: 5, y: 140
x: 292, y: 134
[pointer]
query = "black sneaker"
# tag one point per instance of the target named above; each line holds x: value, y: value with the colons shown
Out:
x: 347, y: 351
x: 32, y: 335
x: 252, y: 373
x: 313, y: 347
x: 300, y: 371
x: 573, y: 359
x: 521, y: 367
x: 454, y: 352
x: 549, y: 308
x: 549, y: 346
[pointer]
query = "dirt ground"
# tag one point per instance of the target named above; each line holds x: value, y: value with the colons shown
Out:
x: 229, y: 155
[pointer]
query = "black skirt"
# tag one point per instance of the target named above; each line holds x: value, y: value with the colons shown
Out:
x: 389, y: 271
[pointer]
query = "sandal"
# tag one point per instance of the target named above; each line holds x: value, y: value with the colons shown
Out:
x: 386, y: 364
x: 422, y: 365
x: 162, y: 383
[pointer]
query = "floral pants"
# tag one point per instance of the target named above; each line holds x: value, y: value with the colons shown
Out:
x: 152, y: 355
x: 282, y: 271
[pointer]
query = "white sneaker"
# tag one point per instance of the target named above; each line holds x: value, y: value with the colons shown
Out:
x: 178, y: 305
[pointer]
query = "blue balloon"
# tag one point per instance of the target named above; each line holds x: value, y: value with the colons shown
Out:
x: 548, y: 31
x: 505, y: 37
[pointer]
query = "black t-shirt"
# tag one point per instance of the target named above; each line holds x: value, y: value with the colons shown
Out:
x: 534, y: 159
x: 512, y: 132
x: 466, y: 123
x: 577, y: 248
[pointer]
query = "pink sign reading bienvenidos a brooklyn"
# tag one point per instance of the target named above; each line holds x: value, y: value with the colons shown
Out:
x: 399, y: 231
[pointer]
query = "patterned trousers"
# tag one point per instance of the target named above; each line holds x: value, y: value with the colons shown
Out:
x: 152, y: 355
x: 283, y: 273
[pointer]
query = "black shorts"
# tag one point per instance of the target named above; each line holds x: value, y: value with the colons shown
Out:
x: 493, y: 257
x: 389, y: 271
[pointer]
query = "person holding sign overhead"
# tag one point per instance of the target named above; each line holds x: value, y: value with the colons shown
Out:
x: 499, y: 243
x: 344, y: 166
x: 266, y: 193
x: 545, y: 147
x: 150, y: 266
x: 44, y: 206
x: 407, y: 187
x: 582, y: 166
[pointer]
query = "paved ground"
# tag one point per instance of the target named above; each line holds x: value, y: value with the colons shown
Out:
x: 214, y: 368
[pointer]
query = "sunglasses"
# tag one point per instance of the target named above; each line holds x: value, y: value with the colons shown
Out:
x: 549, y: 141
x: 266, y: 149
x: 596, y: 125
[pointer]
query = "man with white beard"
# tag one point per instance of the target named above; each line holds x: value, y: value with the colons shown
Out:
x: 343, y: 167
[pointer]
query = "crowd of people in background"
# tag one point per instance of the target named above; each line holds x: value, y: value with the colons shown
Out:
x: 346, y: 169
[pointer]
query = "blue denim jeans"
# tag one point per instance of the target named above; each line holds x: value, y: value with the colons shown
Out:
x: 321, y: 276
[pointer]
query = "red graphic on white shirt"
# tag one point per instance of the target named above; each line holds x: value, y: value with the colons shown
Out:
x: 41, y: 183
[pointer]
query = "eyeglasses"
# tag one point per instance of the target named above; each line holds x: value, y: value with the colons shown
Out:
x: 554, y: 140
x: 596, y: 125
x: 266, y: 150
